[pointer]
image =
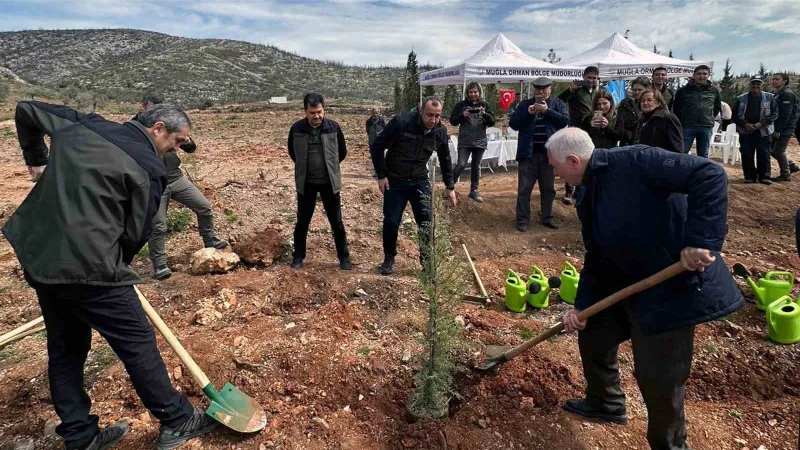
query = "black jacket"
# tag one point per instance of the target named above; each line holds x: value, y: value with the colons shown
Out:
x: 788, y: 111
x: 669, y: 96
x: 172, y: 161
x: 410, y: 149
x: 472, y: 129
x: 636, y: 217
x: 580, y: 103
x: 92, y: 209
x: 628, y: 114
x: 607, y: 137
x: 660, y: 129
x: 696, y: 105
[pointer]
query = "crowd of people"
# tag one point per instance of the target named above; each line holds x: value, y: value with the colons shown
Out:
x: 642, y: 207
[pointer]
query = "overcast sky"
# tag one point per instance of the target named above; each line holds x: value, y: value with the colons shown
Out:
x: 446, y: 32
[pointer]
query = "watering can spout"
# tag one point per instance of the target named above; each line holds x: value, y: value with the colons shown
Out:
x: 758, y: 291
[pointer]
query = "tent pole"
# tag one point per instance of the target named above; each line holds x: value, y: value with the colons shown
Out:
x: 464, y: 90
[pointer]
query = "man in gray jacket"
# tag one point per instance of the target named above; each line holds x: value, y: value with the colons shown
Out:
x: 754, y: 114
x: 472, y: 116
x: 75, y: 235
x: 183, y: 191
x: 788, y: 113
x: 317, y: 146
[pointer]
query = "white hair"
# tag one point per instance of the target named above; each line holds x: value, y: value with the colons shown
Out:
x: 570, y: 141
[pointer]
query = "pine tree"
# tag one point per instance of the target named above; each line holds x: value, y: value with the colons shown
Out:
x: 762, y: 71
x: 411, y: 89
x: 551, y: 57
x: 670, y: 53
x: 691, y: 56
x: 451, y: 97
x: 429, y: 91
x: 491, y: 96
x: 727, y: 91
x: 656, y: 50
x: 398, y: 98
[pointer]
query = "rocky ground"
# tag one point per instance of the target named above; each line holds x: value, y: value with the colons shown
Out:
x: 333, y: 367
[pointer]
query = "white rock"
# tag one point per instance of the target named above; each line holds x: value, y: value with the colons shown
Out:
x: 212, y: 260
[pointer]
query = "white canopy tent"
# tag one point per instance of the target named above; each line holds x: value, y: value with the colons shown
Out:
x: 499, y: 61
x: 620, y: 59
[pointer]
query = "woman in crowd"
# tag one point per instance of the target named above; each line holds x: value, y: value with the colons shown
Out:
x: 658, y: 127
x: 628, y: 111
x: 601, y: 123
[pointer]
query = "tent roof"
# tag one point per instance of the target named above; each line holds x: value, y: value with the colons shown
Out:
x: 500, y: 60
x: 618, y: 57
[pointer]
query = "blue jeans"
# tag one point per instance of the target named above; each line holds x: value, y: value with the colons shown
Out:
x: 400, y: 193
x: 703, y: 135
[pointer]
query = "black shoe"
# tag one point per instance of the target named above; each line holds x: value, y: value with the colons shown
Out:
x: 297, y: 263
x: 475, y: 196
x: 213, y: 242
x: 388, y: 265
x: 549, y: 223
x: 108, y: 436
x: 782, y: 178
x: 163, y: 272
x: 793, y: 168
x: 522, y: 227
x: 199, y: 424
x: 581, y: 407
x: 345, y: 264
x: 765, y: 181
x: 746, y: 181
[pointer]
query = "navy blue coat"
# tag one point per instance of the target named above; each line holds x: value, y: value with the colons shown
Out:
x: 636, y: 218
x: 555, y: 118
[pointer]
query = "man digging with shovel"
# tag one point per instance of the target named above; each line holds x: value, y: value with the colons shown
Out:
x: 641, y: 210
x: 75, y: 235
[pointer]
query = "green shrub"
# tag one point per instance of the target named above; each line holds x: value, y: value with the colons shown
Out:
x: 178, y: 220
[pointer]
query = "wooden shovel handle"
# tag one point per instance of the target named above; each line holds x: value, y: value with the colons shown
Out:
x: 475, y: 272
x: 612, y: 299
x: 173, y: 342
x: 21, y: 335
x: 21, y: 329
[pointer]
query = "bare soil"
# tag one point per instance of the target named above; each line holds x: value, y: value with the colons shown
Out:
x: 328, y: 366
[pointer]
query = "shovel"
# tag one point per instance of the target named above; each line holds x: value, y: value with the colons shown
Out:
x: 230, y: 406
x: 32, y: 327
x: 498, y: 354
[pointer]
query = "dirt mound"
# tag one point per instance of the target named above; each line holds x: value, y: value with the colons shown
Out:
x: 261, y: 248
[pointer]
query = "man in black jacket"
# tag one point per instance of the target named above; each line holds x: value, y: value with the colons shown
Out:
x: 409, y: 140
x: 183, y: 191
x: 788, y: 113
x: 75, y: 235
x: 580, y: 100
x: 696, y: 105
x: 472, y: 116
x: 660, y: 83
x: 317, y: 146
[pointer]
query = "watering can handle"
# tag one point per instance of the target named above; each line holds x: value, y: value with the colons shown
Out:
x: 536, y: 269
x: 770, y: 275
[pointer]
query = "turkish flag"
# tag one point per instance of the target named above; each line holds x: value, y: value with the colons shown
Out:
x: 506, y: 98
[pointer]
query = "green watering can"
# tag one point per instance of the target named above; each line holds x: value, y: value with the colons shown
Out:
x: 783, y: 320
x: 538, y: 297
x: 771, y: 288
x: 516, y: 292
x: 569, y: 283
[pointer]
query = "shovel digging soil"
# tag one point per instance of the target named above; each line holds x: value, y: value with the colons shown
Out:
x: 230, y: 406
x: 496, y: 354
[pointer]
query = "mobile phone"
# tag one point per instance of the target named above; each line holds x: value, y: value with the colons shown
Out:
x: 473, y: 110
x: 583, y: 83
x: 597, y: 115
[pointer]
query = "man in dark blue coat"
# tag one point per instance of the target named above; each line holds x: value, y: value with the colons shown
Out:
x: 536, y: 120
x: 642, y: 209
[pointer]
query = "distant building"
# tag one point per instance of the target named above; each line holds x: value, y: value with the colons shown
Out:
x: 277, y: 100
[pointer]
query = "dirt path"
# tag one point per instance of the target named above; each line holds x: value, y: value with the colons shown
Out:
x: 331, y: 368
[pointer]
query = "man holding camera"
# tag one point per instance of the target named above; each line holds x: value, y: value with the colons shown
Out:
x: 580, y: 100
x: 536, y: 120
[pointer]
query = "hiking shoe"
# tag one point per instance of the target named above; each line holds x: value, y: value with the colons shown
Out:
x: 765, y: 181
x: 549, y: 223
x: 522, y: 227
x: 345, y: 264
x: 793, y: 167
x: 475, y: 196
x: 213, y: 242
x: 388, y: 265
x: 297, y: 263
x: 746, y: 181
x: 199, y: 424
x: 782, y: 178
x: 567, y: 200
x: 581, y: 407
x: 109, y: 436
x: 163, y: 272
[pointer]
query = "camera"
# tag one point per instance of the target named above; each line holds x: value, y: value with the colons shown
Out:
x: 473, y: 110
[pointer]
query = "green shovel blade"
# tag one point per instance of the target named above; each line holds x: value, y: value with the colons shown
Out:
x: 234, y: 409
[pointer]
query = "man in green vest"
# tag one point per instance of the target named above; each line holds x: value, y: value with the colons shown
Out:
x: 317, y: 146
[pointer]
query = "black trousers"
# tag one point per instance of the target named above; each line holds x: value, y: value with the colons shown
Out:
x: 753, y: 146
x: 533, y: 169
x: 306, y: 203
x: 778, y: 151
x: 662, y: 363
x: 475, y: 171
x: 70, y: 313
x: 400, y: 193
